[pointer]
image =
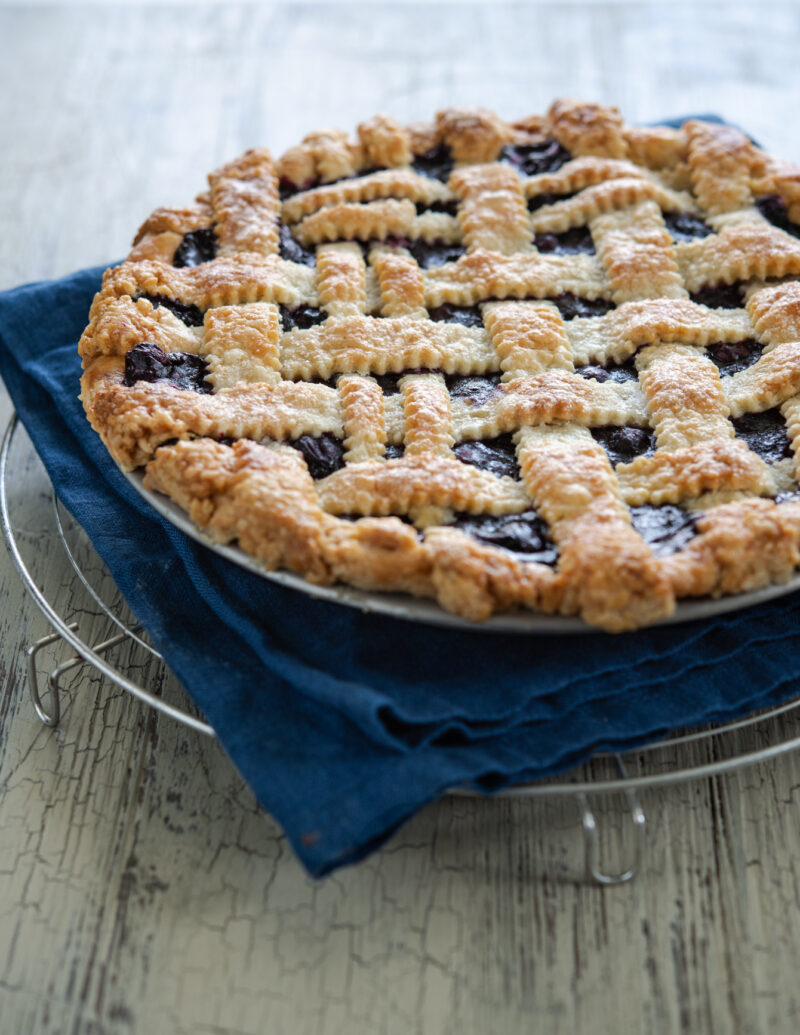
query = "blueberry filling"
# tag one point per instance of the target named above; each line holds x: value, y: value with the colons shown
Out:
x: 148, y: 362
x: 189, y: 314
x: 733, y: 356
x: 323, y: 453
x: 685, y: 227
x: 496, y: 455
x: 618, y: 372
x: 773, y: 208
x: 292, y: 250
x: 765, y: 434
x: 388, y: 382
x: 197, y: 247
x: 467, y: 316
x: 450, y: 208
x: 474, y: 390
x: 540, y: 200
x: 435, y: 253
x: 570, y: 305
x: 436, y: 163
x: 524, y: 534
x: 719, y: 296
x: 624, y: 444
x: 394, y: 452
x: 533, y: 159
x: 572, y: 242
x: 665, y: 529
x: 286, y: 188
x: 302, y: 316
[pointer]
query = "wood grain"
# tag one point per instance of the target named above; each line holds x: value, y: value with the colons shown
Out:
x: 141, y: 889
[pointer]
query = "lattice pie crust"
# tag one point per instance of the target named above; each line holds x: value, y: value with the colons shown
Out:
x: 553, y: 364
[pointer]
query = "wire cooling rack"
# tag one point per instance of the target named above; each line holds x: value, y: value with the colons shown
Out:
x: 687, y: 755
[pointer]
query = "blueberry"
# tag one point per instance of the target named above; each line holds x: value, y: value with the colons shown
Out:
x: 533, y: 159
x: 618, y: 372
x: 475, y: 390
x: 765, y: 434
x: 467, y: 316
x: 773, y: 208
x: 733, y: 356
x: 685, y: 227
x: 540, y: 200
x: 197, y: 246
x: 189, y: 314
x: 624, y: 444
x: 525, y: 534
x: 435, y: 253
x: 570, y: 305
x: 719, y: 296
x: 436, y: 163
x: 292, y: 250
x: 666, y: 529
x: 450, y: 208
x: 148, y: 362
x: 572, y: 242
x: 303, y: 317
x: 323, y: 453
x: 497, y: 456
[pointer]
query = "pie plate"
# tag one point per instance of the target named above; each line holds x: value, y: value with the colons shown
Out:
x: 419, y: 609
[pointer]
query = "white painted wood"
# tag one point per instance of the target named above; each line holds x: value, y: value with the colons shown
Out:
x: 141, y: 889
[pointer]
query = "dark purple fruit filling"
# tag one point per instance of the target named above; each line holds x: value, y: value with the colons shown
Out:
x: 525, y: 534
x: 773, y: 208
x: 197, y: 247
x: 302, y: 316
x: 685, y: 227
x: 323, y: 453
x: 624, y: 444
x: 765, y: 433
x: 286, y: 188
x: 292, y: 250
x: 189, y: 314
x: 436, y: 163
x: 394, y: 452
x: 497, y: 456
x: 466, y: 315
x: 570, y: 305
x: 149, y: 362
x: 533, y: 159
x: 450, y: 208
x: 618, y: 372
x: 571, y: 242
x: 224, y: 440
x: 719, y: 296
x: 475, y: 390
x: 389, y: 383
x: 733, y: 356
x: 665, y: 529
x: 540, y: 200
x: 435, y: 253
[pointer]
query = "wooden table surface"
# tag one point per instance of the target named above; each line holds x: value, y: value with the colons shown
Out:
x: 141, y: 888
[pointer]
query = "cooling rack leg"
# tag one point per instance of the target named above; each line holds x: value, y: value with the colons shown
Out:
x: 49, y: 718
x: 591, y: 853
x: 54, y: 679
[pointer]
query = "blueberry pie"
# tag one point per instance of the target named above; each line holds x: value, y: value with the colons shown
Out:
x: 551, y: 364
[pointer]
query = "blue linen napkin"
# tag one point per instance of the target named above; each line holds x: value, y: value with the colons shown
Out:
x: 344, y: 723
